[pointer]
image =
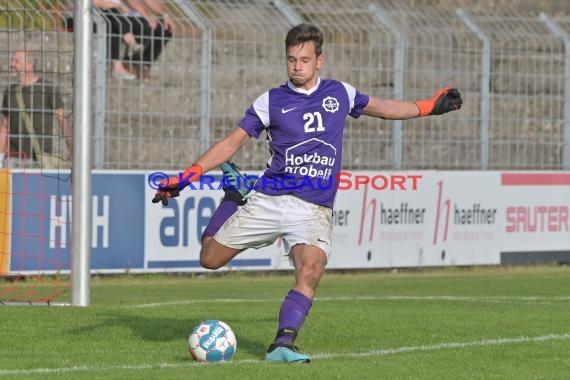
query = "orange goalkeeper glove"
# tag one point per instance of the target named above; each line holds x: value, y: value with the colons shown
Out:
x: 445, y: 100
x: 171, y: 187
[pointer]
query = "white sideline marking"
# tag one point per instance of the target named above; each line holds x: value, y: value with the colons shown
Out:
x: 322, y: 356
x: 442, y: 346
x: 488, y: 299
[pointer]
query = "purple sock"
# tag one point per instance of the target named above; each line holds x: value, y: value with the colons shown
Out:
x: 294, y: 309
x: 226, y: 209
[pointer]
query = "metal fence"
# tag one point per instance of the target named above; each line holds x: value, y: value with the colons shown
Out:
x: 513, y: 70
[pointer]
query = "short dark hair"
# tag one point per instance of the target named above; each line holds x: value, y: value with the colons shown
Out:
x: 305, y: 33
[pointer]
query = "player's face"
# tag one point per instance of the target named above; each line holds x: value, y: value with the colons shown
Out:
x: 303, y: 65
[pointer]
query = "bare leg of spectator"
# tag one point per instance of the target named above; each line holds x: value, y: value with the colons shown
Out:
x: 134, y: 46
x: 154, y: 42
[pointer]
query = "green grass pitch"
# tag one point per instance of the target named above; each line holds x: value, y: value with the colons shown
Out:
x: 478, y: 323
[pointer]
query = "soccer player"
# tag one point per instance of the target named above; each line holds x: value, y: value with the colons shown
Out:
x: 293, y: 199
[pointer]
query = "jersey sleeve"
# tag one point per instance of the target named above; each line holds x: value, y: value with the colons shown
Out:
x: 358, y: 100
x: 256, y: 118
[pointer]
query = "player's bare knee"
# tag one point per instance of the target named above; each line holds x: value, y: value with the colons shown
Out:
x: 209, y: 264
x: 208, y: 260
x: 310, y: 274
x: 215, y: 255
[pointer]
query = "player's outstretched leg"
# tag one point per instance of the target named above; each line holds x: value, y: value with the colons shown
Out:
x: 292, y: 314
x: 234, y: 193
x: 227, y: 207
x: 234, y: 180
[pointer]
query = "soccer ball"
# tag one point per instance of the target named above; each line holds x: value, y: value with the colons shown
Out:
x: 212, y: 341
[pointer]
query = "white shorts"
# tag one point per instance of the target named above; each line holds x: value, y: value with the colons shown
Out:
x: 265, y: 218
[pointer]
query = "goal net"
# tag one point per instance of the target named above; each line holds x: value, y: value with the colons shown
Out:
x: 36, y: 53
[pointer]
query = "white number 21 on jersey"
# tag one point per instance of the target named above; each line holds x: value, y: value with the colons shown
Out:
x: 310, y: 122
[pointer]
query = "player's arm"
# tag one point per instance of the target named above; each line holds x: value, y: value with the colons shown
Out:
x: 391, y: 109
x: 223, y: 150
x: 445, y: 100
x: 219, y: 153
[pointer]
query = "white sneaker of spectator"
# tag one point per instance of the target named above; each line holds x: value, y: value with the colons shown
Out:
x: 123, y: 75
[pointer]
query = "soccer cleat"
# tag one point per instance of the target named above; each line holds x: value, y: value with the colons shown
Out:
x: 233, y: 195
x: 283, y: 352
x: 236, y: 180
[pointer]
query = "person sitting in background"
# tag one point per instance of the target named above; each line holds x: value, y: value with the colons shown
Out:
x: 153, y: 28
x: 119, y: 30
x: 31, y: 105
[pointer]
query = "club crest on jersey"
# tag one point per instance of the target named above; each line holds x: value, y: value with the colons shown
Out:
x: 330, y: 104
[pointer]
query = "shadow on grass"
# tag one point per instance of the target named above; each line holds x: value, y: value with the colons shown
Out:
x: 160, y: 329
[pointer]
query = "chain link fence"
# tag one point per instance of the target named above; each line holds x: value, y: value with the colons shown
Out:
x: 513, y: 69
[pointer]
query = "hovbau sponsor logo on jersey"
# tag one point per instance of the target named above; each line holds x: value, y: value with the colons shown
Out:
x: 315, y: 165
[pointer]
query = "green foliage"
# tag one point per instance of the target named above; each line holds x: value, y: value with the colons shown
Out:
x: 28, y: 15
x: 467, y: 324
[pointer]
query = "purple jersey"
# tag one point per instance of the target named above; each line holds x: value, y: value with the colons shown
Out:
x: 304, y: 134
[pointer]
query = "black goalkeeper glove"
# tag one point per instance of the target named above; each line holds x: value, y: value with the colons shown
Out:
x: 445, y: 100
x: 171, y: 187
